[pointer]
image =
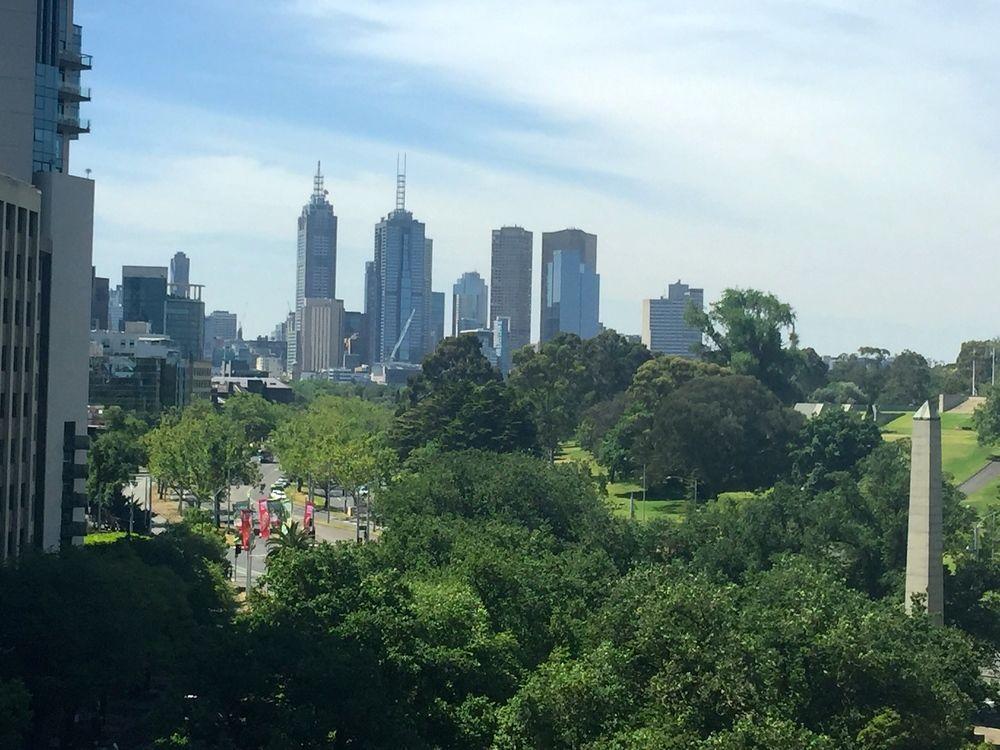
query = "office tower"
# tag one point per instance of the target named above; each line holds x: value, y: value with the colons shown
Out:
x: 437, y: 320
x: 402, y: 267
x: 115, y: 308
x: 371, y: 316
x: 316, y: 267
x: 664, y: 329
x: 144, y: 295
x: 570, y: 284
x: 184, y: 320
x: 924, y: 535
x: 510, y: 282
x: 100, y: 301
x: 321, y: 343
x: 180, y: 274
x: 40, y: 96
x: 469, y: 303
x: 221, y: 328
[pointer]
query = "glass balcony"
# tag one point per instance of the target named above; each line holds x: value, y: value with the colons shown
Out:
x: 71, y: 58
x: 71, y: 92
x: 72, y: 125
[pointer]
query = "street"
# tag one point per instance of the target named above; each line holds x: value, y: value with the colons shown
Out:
x: 332, y: 530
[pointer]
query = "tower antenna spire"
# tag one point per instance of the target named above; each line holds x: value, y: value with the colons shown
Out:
x: 318, y: 191
x: 400, y: 184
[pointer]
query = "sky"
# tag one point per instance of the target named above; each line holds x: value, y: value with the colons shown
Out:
x: 842, y: 155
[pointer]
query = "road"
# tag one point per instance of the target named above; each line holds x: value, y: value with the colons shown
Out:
x: 334, y: 530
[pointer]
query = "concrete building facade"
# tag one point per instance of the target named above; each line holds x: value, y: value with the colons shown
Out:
x: 570, y: 284
x: 221, y: 328
x: 21, y: 514
x: 180, y: 274
x: 437, y: 320
x: 510, y: 281
x: 321, y: 344
x: 40, y: 95
x: 469, y: 303
x: 664, y: 328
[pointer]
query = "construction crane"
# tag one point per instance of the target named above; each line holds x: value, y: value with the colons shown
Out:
x: 399, y: 343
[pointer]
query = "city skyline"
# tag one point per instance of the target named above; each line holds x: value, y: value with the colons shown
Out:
x: 719, y: 166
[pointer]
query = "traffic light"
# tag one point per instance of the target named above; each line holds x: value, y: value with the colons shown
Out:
x: 237, y: 549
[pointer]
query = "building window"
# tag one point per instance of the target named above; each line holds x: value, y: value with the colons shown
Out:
x: 3, y: 357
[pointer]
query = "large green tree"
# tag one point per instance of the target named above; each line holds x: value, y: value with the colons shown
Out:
x: 835, y: 441
x: 459, y: 401
x: 115, y: 455
x: 908, y: 380
x: 727, y: 432
x: 752, y: 333
x: 200, y: 454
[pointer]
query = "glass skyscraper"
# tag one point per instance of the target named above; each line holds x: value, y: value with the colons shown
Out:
x: 402, y: 269
x: 316, y: 267
x: 510, y: 282
x: 570, y: 284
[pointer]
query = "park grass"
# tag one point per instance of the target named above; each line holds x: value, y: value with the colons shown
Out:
x: 961, y: 454
x: 104, y: 537
x: 618, y: 492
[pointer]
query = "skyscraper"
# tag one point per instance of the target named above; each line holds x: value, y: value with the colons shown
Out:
x: 43, y: 502
x: 371, y: 316
x: 321, y: 346
x: 402, y: 268
x: 664, y: 329
x: 144, y: 295
x: 100, y: 302
x: 184, y: 320
x: 437, y: 320
x: 469, y: 308
x: 116, y: 311
x: 180, y: 274
x: 316, y: 267
x: 510, y: 282
x: 220, y: 329
x: 570, y: 284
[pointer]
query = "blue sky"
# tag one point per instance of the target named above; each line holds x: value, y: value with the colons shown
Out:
x: 840, y: 154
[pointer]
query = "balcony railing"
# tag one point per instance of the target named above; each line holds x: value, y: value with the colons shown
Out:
x: 71, y: 58
x: 71, y: 92
x: 70, y: 125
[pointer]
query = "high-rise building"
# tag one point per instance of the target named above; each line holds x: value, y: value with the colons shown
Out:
x: 510, y: 282
x: 100, y: 301
x: 664, y: 329
x: 371, y: 316
x: 321, y: 343
x: 469, y: 303
x: 570, y: 284
x: 501, y: 344
x: 40, y: 96
x: 402, y: 269
x: 180, y: 274
x: 354, y: 339
x: 116, y: 310
x: 144, y: 295
x: 316, y: 266
x: 437, y: 320
x: 184, y: 320
x: 221, y: 328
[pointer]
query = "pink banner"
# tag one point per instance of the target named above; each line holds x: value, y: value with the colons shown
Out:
x: 246, y: 527
x: 264, y: 518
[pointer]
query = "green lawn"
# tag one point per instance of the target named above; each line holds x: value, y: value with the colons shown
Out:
x: 961, y: 454
x: 618, y: 492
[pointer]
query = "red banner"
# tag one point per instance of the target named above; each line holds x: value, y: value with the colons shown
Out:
x: 307, y: 515
x: 246, y: 526
x: 264, y: 518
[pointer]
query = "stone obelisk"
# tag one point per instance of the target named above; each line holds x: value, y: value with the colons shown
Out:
x: 924, y: 540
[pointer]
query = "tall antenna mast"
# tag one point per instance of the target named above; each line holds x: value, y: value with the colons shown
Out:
x: 318, y: 191
x: 400, y: 184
